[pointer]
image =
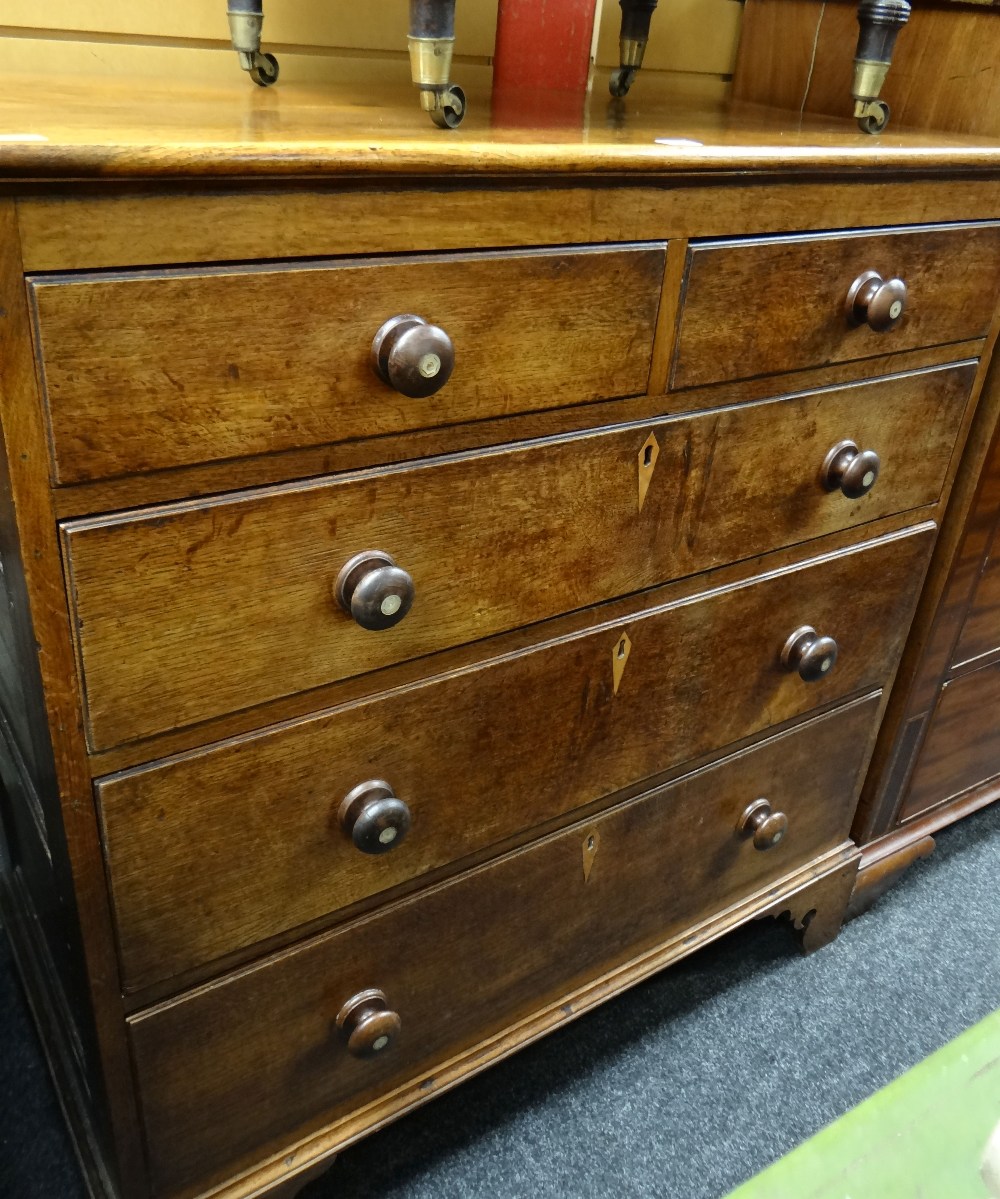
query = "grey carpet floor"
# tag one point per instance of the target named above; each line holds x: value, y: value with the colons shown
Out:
x: 682, y: 1088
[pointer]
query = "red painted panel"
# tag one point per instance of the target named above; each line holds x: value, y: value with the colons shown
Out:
x: 543, y: 44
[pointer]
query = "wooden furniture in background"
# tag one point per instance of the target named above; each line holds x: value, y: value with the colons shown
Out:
x: 378, y: 695
x: 945, y: 74
x: 938, y: 756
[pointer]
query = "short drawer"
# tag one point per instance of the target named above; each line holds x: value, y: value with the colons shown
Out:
x: 151, y: 369
x: 229, y: 603
x: 777, y: 304
x: 214, y: 851
x: 227, y: 1071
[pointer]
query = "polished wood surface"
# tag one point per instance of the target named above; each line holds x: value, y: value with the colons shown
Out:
x: 142, y: 128
x: 217, y: 850
x: 162, y: 369
x: 277, y: 1065
x: 155, y: 592
x: 952, y: 278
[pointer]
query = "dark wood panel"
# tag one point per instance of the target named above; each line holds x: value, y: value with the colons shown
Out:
x: 966, y: 528
x: 157, y: 369
x: 493, y: 541
x: 228, y: 1070
x: 216, y: 850
x: 962, y: 747
x: 776, y: 304
x: 981, y: 629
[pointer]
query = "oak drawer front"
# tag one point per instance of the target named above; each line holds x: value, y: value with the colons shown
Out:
x: 147, y: 370
x: 230, y: 603
x: 214, y: 851
x: 225, y: 1070
x: 777, y: 304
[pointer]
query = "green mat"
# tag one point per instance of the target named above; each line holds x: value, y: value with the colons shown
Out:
x: 921, y: 1136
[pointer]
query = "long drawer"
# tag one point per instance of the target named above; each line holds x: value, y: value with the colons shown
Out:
x: 759, y: 307
x: 225, y: 1071
x: 216, y: 850
x: 190, y: 611
x: 151, y: 369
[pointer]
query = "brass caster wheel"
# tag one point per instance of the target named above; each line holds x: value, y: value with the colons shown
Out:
x: 621, y: 80
x: 265, y: 70
x: 875, y: 117
x: 450, y: 112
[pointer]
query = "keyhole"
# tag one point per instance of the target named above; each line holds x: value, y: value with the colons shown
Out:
x: 621, y: 648
x: 590, y: 842
x: 647, y: 456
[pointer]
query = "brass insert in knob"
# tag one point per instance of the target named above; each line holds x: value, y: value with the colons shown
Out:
x: 374, y: 590
x: 768, y: 827
x: 368, y: 1024
x: 809, y: 654
x: 876, y: 302
x: 413, y: 356
x: 852, y: 471
x: 374, y: 817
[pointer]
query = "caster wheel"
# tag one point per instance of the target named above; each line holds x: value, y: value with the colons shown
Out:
x: 265, y: 70
x: 620, y: 81
x: 452, y: 111
x: 876, y: 117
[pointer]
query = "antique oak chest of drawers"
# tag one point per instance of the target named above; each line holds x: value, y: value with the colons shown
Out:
x: 446, y: 579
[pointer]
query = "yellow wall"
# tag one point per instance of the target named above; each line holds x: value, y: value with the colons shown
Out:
x: 144, y: 36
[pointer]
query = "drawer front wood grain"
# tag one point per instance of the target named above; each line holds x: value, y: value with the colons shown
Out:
x: 962, y: 746
x: 155, y: 369
x: 216, y: 850
x: 777, y: 304
x: 226, y: 1071
x: 981, y: 630
x: 229, y: 603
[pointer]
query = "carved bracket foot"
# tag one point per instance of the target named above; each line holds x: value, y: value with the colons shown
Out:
x: 817, y: 910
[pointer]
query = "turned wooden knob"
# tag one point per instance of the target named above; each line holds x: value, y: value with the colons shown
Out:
x: 808, y: 653
x: 876, y: 302
x: 413, y: 356
x: 368, y: 1024
x: 850, y: 470
x: 374, y: 817
x: 768, y: 827
x: 374, y: 590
